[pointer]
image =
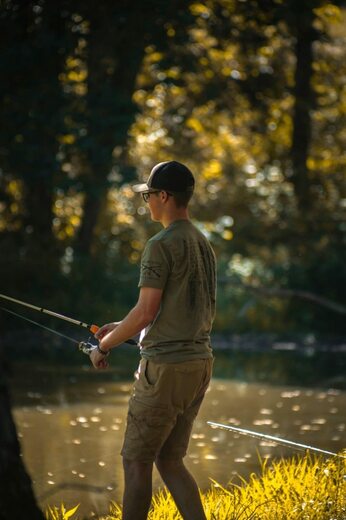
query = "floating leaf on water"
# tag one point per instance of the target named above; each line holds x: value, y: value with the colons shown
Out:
x: 198, y: 436
x: 290, y: 395
x: 234, y: 421
x: 266, y: 411
x: 321, y: 395
x: 319, y: 420
x: 193, y: 456
x: 261, y: 422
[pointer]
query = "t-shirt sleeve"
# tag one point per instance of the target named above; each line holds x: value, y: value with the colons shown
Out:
x: 155, y: 265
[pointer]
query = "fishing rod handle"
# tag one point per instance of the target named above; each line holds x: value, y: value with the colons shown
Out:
x: 94, y: 328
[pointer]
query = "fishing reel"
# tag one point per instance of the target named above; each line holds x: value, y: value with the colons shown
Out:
x: 86, y: 347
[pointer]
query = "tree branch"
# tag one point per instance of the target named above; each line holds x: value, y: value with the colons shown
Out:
x: 290, y: 293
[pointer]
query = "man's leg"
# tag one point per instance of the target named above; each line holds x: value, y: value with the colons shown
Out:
x: 138, y: 489
x: 183, y: 488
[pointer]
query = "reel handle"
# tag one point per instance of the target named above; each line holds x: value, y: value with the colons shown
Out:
x: 86, y: 347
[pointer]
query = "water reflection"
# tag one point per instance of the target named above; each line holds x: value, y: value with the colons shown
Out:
x: 71, y: 433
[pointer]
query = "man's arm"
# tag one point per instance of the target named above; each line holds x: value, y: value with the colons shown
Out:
x: 142, y: 314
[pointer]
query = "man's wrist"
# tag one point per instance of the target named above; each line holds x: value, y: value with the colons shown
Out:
x: 101, y: 351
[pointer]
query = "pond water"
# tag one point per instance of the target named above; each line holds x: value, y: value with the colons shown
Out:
x: 71, y: 423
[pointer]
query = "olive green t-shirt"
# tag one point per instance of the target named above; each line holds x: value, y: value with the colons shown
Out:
x: 179, y: 260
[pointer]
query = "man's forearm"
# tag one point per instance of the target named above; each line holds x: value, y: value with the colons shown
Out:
x: 130, y: 326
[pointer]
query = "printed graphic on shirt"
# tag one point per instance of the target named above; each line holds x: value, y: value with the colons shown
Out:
x: 151, y: 270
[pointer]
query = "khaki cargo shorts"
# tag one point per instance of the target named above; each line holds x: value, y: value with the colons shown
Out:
x: 163, y: 406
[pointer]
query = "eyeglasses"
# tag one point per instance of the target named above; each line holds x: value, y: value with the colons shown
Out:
x: 146, y: 194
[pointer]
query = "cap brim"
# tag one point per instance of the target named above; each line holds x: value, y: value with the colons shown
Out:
x: 139, y: 188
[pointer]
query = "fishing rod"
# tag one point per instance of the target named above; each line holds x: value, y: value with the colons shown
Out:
x: 91, y: 328
x: 278, y: 440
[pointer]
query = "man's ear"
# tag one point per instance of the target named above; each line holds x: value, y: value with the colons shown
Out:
x: 164, y: 196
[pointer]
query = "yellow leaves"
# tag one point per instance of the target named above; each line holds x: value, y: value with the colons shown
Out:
x: 227, y: 234
x: 199, y: 9
x: 67, y: 216
x: 66, y: 139
x: 170, y: 31
x: 154, y: 56
x: 212, y: 170
x: 14, y: 188
x: 77, y: 75
x: 329, y: 13
x: 195, y: 124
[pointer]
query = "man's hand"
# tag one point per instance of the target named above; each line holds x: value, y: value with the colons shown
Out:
x: 105, y: 329
x: 98, y: 360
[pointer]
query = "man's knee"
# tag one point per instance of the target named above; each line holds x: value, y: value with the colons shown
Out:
x: 135, y: 469
x: 168, y: 465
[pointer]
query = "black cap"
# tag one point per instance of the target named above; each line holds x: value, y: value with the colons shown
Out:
x: 168, y: 176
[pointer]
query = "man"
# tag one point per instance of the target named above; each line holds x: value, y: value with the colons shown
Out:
x: 174, y: 311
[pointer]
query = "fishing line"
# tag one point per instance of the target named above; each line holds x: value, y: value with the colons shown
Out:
x: 85, y: 346
x: 39, y: 325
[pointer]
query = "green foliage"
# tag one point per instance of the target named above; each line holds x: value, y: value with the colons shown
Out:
x: 295, y: 489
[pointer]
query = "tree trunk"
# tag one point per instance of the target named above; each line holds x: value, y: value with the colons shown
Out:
x: 305, y: 35
x: 17, y: 500
x: 113, y: 63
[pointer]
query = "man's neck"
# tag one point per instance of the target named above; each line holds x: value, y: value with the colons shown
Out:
x: 172, y: 216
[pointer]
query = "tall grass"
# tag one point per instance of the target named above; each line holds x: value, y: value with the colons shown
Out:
x: 300, y: 488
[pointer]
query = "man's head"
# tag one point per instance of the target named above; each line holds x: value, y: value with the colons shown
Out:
x: 171, y: 177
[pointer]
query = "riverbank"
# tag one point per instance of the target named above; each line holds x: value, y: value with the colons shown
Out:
x: 300, y: 487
